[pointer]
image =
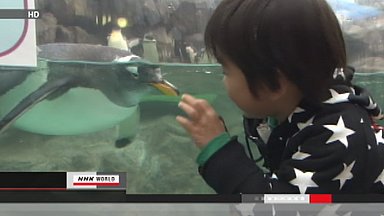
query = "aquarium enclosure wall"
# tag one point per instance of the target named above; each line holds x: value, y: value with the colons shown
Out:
x: 111, y: 123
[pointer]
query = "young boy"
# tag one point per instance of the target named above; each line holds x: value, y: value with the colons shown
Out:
x: 286, y: 60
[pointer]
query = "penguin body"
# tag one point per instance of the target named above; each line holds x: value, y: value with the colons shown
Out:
x: 77, y: 88
x: 117, y: 40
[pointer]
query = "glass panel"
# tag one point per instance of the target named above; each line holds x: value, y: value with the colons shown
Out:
x: 158, y: 156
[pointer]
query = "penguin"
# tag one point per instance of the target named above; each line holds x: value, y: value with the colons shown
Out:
x: 191, y: 54
x: 150, y: 51
x: 69, y: 67
x: 116, y: 39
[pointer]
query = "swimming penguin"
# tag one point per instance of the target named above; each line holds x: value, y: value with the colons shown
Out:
x: 116, y: 39
x: 73, y: 67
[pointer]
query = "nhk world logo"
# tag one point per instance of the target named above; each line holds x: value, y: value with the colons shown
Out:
x: 94, y: 180
x: 102, y: 180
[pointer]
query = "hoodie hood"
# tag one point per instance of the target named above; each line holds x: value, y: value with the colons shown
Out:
x: 343, y: 91
x: 356, y: 95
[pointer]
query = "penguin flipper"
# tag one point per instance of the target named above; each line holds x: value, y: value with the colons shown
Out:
x: 43, y: 92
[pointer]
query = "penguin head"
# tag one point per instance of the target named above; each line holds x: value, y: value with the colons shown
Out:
x: 140, y: 72
x: 151, y: 74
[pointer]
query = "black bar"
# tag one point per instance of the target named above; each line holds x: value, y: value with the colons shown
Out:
x: 61, y: 196
x: 93, y: 196
x: 19, y: 14
x: 358, y: 198
x: 185, y: 198
x: 19, y: 180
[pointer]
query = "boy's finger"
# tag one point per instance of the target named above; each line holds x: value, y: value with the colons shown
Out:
x: 189, y: 110
x: 200, y: 105
x: 188, y: 98
x: 204, y: 106
x: 185, y: 123
x: 192, y: 101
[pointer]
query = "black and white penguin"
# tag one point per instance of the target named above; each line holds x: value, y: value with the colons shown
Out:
x: 116, y: 39
x: 100, y: 71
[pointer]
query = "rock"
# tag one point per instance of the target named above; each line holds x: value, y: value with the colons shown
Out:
x: 86, y: 21
x: 64, y: 34
x: 63, y: 11
x: 75, y: 34
x: 82, y: 36
x: 151, y: 13
x: 369, y: 64
x: 190, y: 18
x: 46, y: 28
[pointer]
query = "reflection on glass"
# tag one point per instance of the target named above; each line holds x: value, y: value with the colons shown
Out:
x: 362, y: 23
x: 161, y: 157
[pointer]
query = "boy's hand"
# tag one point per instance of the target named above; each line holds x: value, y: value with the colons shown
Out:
x: 203, y: 123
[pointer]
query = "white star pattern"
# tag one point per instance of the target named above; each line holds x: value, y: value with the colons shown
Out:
x: 329, y: 210
x: 302, y: 125
x: 380, y: 178
x: 371, y: 105
x: 274, y: 176
x: 379, y: 137
x: 303, y: 180
x: 353, y: 90
x: 345, y: 175
x: 297, y: 110
x: 361, y: 120
x: 300, y: 155
x: 336, y: 97
x: 340, y: 132
x: 246, y: 209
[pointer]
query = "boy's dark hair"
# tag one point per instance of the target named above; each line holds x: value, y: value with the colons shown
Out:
x: 301, y: 38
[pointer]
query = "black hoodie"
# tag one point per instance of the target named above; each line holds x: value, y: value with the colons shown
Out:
x: 326, y: 148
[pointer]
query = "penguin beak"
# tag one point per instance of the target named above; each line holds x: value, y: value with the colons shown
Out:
x: 166, y: 88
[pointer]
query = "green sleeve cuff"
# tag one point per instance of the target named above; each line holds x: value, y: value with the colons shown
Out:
x: 212, y: 147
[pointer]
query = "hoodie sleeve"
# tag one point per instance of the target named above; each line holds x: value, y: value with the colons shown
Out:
x: 230, y: 171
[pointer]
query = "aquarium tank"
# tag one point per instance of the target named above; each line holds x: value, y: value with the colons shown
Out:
x: 102, y: 124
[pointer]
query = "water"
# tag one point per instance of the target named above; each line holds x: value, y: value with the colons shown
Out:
x: 161, y: 158
x: 373, y: 82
